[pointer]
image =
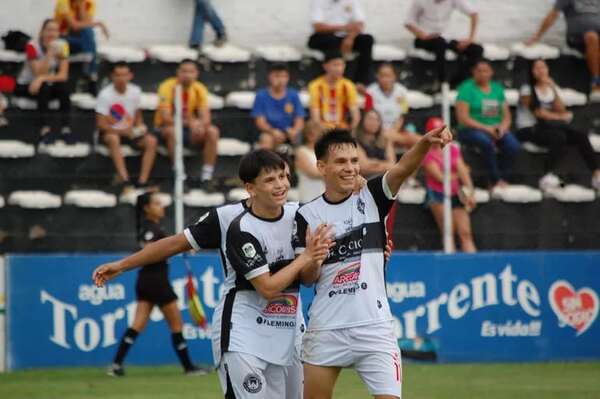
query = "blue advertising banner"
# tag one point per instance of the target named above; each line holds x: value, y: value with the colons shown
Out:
x: 482, y: 307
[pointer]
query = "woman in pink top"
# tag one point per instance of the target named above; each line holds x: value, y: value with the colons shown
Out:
x: 463, y: 200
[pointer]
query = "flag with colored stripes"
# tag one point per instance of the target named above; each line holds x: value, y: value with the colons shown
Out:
x: 194, y: 305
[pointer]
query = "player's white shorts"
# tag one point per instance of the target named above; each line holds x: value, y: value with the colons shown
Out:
x: 372, y: 350
x: 244, y: 376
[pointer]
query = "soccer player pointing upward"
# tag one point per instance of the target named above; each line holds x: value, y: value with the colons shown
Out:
x: 350, y: 324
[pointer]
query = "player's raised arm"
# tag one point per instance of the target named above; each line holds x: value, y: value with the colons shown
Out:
x: 411, y: 160
x: 151, y: 253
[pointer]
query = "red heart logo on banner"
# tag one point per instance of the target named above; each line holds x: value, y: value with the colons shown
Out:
x: 577, y: 309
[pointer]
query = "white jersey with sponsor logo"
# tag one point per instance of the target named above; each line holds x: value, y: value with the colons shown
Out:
x: 243, y: 320
x: 350, y: 290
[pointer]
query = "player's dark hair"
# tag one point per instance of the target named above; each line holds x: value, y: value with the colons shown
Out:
x: 387, y: 64
x: 117, y: 65
x: 535, y: 101
x: 480, y: 61
x: 255, y: 161
x: 188, y: 61
x: 333, y: 138
x: 278, y: 67
x: 142, y: 201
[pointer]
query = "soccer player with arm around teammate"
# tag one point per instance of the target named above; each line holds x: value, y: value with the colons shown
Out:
x: 350, y: 323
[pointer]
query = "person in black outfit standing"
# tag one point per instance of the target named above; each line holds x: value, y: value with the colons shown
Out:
x: 153, y: 288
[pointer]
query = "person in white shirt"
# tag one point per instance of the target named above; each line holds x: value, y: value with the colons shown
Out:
x: 390, y: 99
x: 119, y: 120
x: 428, y: 19
x: 350, y: 323
x: 339, y: 25
x: 310, y: 180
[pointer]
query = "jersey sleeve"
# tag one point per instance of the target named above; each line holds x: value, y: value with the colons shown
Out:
x: 202, y: 102
x: 206, y: 232
x: 316, y: 12
x: 299, y: 233
x: 358, y: 13
x: 465, y: 7
x: 245, y: 254
x: 103, y: 104
x: 30, y: 52
x: 464, y: 93
x: 298, y: 107
x: 258, y: 108
x: 313, y: 91
x: 165, y: 96
x: 412, y: 16
x: 352, y: 95
x: 384, y: 198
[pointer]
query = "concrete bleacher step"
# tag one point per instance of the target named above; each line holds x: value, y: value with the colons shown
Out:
x: 34, y: 199
x: 129, y: 54
x: 201, y: 198
x: 90, y: 199
x: 571, y: 193
x: 278, y: 53
x: 129, y: 197
x: 536, y: 51
x: 16, y: 149
x: 517, y: 193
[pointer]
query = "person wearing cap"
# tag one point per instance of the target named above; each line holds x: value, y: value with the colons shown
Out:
x: 428, y: 19
x: 333, y: 98
x: 339, y: 25
x: 277, y: 110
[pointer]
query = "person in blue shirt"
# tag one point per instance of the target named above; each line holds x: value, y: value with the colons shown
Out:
x: 277, y: 110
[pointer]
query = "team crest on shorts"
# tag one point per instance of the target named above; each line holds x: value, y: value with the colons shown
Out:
x: 252, y: 383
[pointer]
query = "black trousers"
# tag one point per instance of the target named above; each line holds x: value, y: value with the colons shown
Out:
x: 466, y: 58
x: 48, y: 92
x: 556, y: 137
x: 363, y: 45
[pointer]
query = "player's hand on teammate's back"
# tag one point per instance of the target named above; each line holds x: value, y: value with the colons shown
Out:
x: 106, y: 272
x: 440, y: 135
x: 359, y: 184
x: 387, y: 253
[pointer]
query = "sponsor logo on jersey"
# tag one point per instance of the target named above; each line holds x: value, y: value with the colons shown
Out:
x: 282, y: 305
x: 252, y: 383
x: 577, y: 309
x: 348, y: 274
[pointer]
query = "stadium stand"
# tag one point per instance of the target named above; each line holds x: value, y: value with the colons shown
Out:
x: 68, y: 189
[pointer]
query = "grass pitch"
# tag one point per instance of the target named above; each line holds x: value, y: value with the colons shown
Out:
x: 486, y: 381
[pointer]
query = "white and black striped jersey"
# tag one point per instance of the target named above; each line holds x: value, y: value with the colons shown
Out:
x: 350, y: 290
x: 244, y: 321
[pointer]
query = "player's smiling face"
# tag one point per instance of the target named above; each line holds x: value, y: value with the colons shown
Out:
x: 340, y: 168
x: 270, y: 188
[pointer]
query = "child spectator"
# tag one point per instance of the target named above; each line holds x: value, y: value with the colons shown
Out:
x: 333, y: 98
x: 119, y: 120
x: 389, y: 99
x: 462, y: 190
x: 198, y: 129
x: 206, y: 12
x: 277, y: 110
x: 77, y: 23
x: 484, y: 121
x: 583, y: 33
x: 544, y: 120
x: 339, y: 25
x: 310, y: 180
x: 428, y: 19
x: 44, y: 77
x: 375, y: 152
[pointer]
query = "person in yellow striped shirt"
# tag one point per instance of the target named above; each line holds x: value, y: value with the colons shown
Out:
x: 198, y: 129
x: 333, y: 98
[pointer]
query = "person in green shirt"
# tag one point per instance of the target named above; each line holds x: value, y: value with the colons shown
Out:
x: 484, y: 121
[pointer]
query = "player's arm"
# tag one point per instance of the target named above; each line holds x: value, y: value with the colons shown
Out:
x: 411, y: 160
x: 151, y: 253
x: 309, y: 274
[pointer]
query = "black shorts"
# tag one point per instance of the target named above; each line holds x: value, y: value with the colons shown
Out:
x: 158, y: 292
x: 577, y: 42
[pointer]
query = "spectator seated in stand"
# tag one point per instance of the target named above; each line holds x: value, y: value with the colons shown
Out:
x: 310, y: 180
x: 333, y: 98
x: 544, y: 120
x: 277, y: 110
x: 45, y: 76
x: 77, y: 23
x: 583, y: 33
x: 205, y: 11
x: 484, y: 121
x: 461, y: 187
x: 428, y: 20
x: 389, y: 99
x: 375, y: 151
x: 339, y: 25
x: 198, y: 129
x: 119, y: 120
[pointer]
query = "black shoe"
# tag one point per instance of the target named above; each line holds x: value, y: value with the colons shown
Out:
x: 116, y: 371
x: 46, y: 136
x: 220, y: 40
x: 67, y: 136
x: 195, y: 370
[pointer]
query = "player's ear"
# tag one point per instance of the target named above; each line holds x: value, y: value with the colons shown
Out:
x: 250, y: 188
x: 321, y: 166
